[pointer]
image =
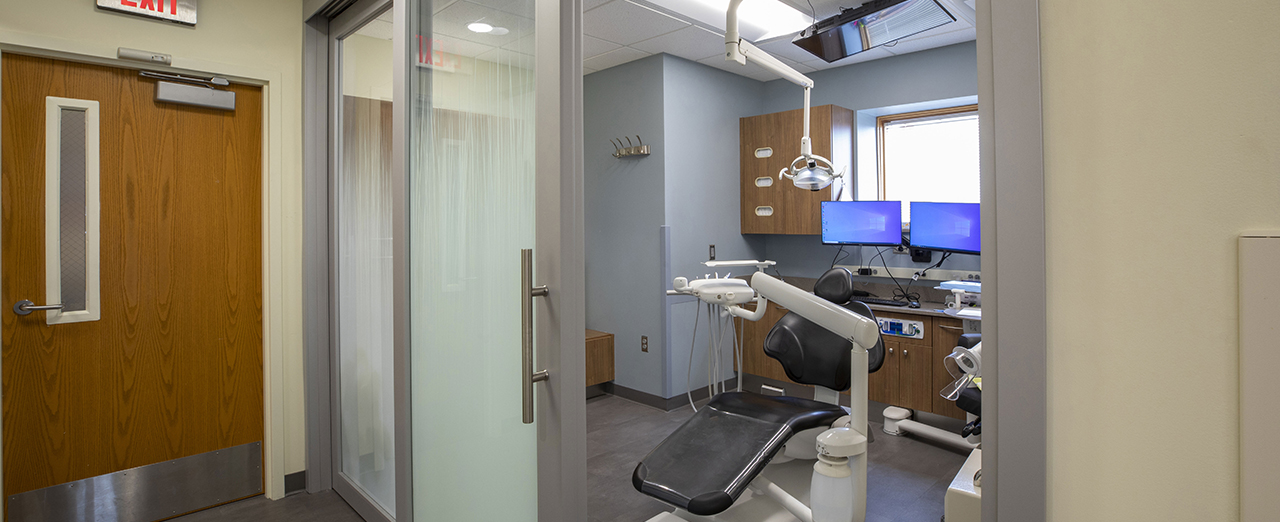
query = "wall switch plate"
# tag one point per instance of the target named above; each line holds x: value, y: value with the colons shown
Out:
x: 644, y: 343
x: 712, y: 253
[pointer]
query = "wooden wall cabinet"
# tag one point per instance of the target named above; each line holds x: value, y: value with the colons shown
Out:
x: 912, y: 374
x: 794, y: 211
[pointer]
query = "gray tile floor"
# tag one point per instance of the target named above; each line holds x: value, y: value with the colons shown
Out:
x: 907, y: 478
x: 326, y: 506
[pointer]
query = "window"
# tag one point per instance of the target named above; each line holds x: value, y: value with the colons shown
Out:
x: 929, y: 156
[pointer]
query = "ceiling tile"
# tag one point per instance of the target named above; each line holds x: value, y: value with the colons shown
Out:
x: 523, y: 8
x: 865, y: 56
x: 588, y: 5
x: 524, y: 45
x: 453, y: 20
x: 626, y: 23
x: 783, y: 48
x: 592, y: 46
x: 929, y: 42
x: 613, y: 58
x: 449, y: 44
x: 505, y: 57
x: 377, y: 28
x: 750, y: 70
x: 437, y: 5
x: 692, y: 43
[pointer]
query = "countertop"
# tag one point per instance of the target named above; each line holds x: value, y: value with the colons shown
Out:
x: 885, y: 291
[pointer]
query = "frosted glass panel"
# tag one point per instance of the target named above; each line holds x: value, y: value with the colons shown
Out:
x: 471, y: 210
x: 364, y: 256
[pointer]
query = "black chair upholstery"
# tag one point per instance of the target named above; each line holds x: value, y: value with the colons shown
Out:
x: 811, y: 354
x: 708, y: 461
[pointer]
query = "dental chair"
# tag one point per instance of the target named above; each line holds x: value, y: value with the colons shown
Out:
x: 707, y: 463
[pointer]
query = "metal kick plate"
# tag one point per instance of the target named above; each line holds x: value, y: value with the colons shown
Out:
x: 148, y: 493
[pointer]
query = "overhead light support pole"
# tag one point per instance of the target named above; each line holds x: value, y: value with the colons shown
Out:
x: 812, y: 175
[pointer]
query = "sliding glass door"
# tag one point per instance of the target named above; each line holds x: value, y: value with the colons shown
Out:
x: 362, y: 261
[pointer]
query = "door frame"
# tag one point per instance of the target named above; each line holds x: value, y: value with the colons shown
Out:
x: 274, y: 293
x: 1015, y: 313
x: 340, y: 26
x: 561, y: 401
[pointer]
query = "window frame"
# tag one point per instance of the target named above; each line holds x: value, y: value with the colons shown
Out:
x: 887, y: 119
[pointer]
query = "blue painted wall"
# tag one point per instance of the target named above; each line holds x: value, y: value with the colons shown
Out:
x: 650, y: 219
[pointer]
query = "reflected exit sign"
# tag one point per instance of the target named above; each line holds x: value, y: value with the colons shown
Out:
x: 180, y: 11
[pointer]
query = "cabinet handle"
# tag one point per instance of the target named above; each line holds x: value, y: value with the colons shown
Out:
x: 528, y: 291
x: 891, y: 351
x: 904, y: 352
x: 952, y: 327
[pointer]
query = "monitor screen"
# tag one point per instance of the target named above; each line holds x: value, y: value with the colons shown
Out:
x: 873, y: 223
x: 955, y: 227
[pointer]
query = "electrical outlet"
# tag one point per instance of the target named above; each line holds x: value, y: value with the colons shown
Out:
x: 713, y: 253
x: 644, y: 342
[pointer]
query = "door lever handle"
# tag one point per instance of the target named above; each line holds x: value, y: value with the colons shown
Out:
x: 25, y: 307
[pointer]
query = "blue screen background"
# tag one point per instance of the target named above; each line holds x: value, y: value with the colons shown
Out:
x: 862, y: 222
x: 946, y: 226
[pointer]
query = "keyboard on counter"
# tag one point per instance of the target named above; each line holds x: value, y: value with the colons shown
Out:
x: 875, y: 300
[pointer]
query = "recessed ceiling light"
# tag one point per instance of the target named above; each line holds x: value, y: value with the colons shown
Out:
x: 499, y: 31
x: 479, y: 27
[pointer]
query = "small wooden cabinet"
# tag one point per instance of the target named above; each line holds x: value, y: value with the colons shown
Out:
x: 912, y: 374
x: 791, y: 210
x: 599, y: 357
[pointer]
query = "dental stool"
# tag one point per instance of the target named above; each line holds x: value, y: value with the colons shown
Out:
x: 708, y: 461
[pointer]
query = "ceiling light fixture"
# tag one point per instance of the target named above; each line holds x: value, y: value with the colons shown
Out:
x: 499, y: 31
x: 479, y: 27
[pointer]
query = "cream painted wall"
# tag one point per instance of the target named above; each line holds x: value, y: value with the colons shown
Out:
x: 241, y: 38
x: 1161, y: 145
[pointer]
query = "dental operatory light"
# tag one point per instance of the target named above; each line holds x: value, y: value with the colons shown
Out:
x: 479, y: 27
x: 809, y: 171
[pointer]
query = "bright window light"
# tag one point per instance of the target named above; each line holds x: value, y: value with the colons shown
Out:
x: 932, y: 160
x: 758, y: 19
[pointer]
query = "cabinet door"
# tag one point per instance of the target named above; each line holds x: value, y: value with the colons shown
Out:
x: 915, y: 376
x: 794, y: 211
x: 882, y: 386
x: 946, y: 334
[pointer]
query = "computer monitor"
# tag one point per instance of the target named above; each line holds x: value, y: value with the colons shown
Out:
x: 870, y: 223
x: 950, y: 227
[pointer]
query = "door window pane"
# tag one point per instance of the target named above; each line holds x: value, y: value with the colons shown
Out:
x: 364, y: 263
x: 471, y: 210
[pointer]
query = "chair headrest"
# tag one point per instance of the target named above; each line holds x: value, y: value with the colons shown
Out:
x: 836, y: 285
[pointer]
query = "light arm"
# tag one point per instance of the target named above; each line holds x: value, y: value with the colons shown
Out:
x: 860, y: 330
x: 812, y: 175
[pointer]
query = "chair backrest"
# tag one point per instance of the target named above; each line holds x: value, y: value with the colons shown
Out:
x: 811, y: 354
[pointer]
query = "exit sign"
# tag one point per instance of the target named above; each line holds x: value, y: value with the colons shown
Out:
x: 180, y: 11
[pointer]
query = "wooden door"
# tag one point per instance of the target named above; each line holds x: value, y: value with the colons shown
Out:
x: 173, y: 367
x: 915, y: 375
x: 946, y: 334
x: 882, y: 386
